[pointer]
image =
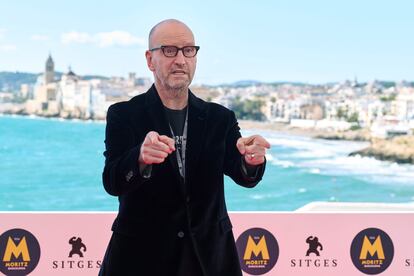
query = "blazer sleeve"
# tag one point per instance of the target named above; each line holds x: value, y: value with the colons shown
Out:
x: 121, y: 171
x: 233, y: 161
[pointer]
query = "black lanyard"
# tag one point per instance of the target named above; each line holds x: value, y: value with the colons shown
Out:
x: 181, y: 156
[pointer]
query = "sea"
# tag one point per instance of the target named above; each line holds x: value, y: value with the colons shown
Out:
x: 56, y: 165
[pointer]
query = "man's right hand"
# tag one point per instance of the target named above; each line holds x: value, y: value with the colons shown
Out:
x: 155, y: 148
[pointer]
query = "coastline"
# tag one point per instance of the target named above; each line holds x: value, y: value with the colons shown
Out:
x: 244, y: 124
x: 399, y: 149
x: 51, y: 117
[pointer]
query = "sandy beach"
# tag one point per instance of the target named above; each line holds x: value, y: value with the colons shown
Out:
x: 282, y: 128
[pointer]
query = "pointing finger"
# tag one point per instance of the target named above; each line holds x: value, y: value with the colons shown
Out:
x: 168, y: 141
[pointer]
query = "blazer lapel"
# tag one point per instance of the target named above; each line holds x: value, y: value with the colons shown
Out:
x: 196, y: 132
x: 159, y: 122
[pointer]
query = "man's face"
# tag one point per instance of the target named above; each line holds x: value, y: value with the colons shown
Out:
x: 171, y: 73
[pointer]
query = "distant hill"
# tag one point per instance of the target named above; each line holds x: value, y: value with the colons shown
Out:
x: 11, y: 81
x: 247, y: 83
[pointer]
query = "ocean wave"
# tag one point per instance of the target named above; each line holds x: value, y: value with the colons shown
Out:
x: 302, y: 190
x: 308, y: 147
x: 313, y: 154
x: 365, y: 168
x: 281, y: 163
x: 315, y: 171
x: 326, y: 157
x: 264, y: 196
x: 269, y: 157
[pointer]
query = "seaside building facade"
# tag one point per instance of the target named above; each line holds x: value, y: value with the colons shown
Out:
x: 70, y: 96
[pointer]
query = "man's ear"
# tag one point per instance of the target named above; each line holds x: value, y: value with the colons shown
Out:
x: 148, y: 56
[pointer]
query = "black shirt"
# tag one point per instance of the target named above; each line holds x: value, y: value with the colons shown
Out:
x: 188, y: 264
x: 176, y: 119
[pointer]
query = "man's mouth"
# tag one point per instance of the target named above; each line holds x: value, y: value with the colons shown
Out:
x: 179, y: 72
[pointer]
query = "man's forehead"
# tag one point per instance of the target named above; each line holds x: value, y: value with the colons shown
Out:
x: 172, y: 32
x: 173, y: 39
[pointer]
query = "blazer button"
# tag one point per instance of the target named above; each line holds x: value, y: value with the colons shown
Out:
x: 180, y: 234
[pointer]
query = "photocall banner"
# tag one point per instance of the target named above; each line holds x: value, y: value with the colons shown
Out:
x: 268, y: 243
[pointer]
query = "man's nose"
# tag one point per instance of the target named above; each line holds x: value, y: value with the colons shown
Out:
x: 180, y: 58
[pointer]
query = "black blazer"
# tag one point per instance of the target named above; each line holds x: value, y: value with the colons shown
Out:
x: 163, y: 208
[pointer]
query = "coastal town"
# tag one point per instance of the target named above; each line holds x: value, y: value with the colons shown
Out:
x: 376, y: 111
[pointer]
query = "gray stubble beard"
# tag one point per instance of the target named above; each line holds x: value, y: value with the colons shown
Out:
x: 177, y: 91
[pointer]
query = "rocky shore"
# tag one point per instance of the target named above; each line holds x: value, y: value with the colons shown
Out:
x: 398, y: 149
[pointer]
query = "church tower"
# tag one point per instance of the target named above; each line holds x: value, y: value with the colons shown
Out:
x: 50, y: 70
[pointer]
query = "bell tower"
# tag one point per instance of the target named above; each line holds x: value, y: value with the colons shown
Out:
x: 49, y: 70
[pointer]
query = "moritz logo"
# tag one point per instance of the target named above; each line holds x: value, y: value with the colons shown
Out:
x: 372, y: 251
x: 19, y: 252
x: 258, y: 251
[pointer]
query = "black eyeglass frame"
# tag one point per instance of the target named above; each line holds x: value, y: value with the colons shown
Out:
x: 162, y: 48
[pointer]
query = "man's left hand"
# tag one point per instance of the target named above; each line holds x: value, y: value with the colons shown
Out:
x: 253, y: 148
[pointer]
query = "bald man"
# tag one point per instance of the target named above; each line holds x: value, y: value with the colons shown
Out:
x: 166, y: 155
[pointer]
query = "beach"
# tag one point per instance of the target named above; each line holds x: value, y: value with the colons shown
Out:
x: 281, y: 128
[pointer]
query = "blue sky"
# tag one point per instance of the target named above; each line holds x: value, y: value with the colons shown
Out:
x: 309, y: 41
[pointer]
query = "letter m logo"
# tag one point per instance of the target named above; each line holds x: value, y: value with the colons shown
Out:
x: 256, y: 249
x: 372, y: 248
x: 16, y: 250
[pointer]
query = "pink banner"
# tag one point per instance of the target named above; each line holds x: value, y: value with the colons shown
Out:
x: 268, y: 243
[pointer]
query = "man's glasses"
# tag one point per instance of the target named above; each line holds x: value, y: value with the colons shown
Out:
x: 172, y: 51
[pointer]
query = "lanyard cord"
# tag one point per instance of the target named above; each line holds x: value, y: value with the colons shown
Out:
x: 181, y: 156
